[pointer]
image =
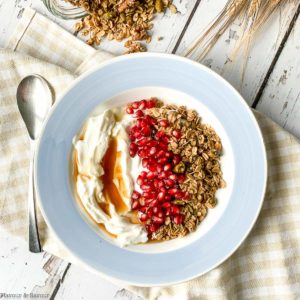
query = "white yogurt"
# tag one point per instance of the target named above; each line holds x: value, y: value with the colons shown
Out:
x: 91, y: 147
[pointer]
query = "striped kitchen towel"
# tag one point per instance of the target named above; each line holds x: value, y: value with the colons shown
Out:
x: 267, y: 265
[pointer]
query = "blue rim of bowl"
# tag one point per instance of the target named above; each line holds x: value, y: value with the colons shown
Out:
x: 197, y: 65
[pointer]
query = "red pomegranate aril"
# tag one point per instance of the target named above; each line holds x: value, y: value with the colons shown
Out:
x: 151, y: 175
x: 139, y: 114
x: 180, y: 195
x: 168, y: 198
x: 166, y: 204
x: 170, y: 182
x: 162, y: 175
x: 161, y: 196
x: 140, y: 180
x: 143, y: 104
x: 157, y: 220
x: 160, y: 214
x: 175, y: 210
x: 165, y: 139
x: 145, y: 162
x: 152, y: 167
x: 129, y: 110
x: 160, y: 134
x: 178, y: 219
x: 152, y: 151
x: 132, y: 153
x: 173, y: 177
x: 152, y: 143
x: 167, y: 167
x: 135, y: 195
x: 137, y: 135
x: 142, y: 141
x: 151, y: 103
x: 149, y: 195
x: 173, y: 191
x: 176, y: 133
x: 152, y: 228
x: 159, y: 168
x: 156, y: 210
x: 146, y: 131
x: 176, y: 159
x: 135, y: 204
x: 153, y: 203
x: 180, y: 178
x: 136, y: 104
x: 152, y: 121
x: 160, y: 153
x: 143, y: 153
x: 149, y: 213
x: 169, y: 154
x: 146, y: 187
x: 168, y: 211
x: 143, y: 174
x: 156, y: 183
x: 163, y: 123
x: 133, y: 146
x: 143, y: 217
x: 162, y: 160
x: 143, y: 209
x: 163, y: 146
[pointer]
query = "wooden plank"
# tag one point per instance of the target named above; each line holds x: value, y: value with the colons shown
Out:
x: 81, y: 284
x: 262, y: 53
x: 281, y: 97
x: 25, y: 272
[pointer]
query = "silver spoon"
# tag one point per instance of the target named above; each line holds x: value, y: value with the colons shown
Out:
x: 34, y: 100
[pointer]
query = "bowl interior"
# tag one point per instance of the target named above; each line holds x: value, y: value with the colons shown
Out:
x: 172, y: 96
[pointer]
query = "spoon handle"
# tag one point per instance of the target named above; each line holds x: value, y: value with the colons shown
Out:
x: 34, y: 241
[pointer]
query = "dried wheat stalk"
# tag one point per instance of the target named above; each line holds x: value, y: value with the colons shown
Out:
x: 254, y: 13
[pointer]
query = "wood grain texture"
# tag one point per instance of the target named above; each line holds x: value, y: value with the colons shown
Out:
x: 220, y: 58
x: 281, y: 97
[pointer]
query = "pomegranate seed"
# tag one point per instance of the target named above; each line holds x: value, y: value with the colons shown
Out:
x: 152, y: 143
x: 156, y: 210
x: 137, y: 135
x: 135, y: 204
x: 146, y: 130
x: 143, y: 174
x: 166, y: 204
x: 161, y: 196
x: 160, y: 134
x: 176, y: 133
x: 152, y: 121
x: 143, y: 104
x: 152, y: 167
x: 151, y: 175
x: 167, y: 167
x: 143, y: 217
x: 173, y: 191
x: 161, y: 214
x: 168, y: 211
x: 180, y: 195
x: 132, y: 153
x: 152, y: 228
x: 176, y: 159
x: 153, y: 203
x: 140, y: 180
x: 152, y: 151
x: 145, y: 187
x: 136, y: 104
x: 162, y: 160
x: 165, y: 139
x: 162, y: 175
x: 164, y: 123
x: 163, y: 189
x: 180, y: 178
x: 129, y: 110
x: 133, y: 146
x: 157, y: 220
x: 143, y: 209
x: 169, y: 154
x: 145, y: 162
x: 170, y: 182
x: 156, y: 183
x: 142, y: 141
x: 163, y: 146
x: 160, y: 153
x: 178, y: 219
x: 139, y: 114
x: 149, y: 195
x: 142, y: 153
x: 159, y: 168
x: 135, y: 195
x: 149, y: 213
x: 173, y: 177
x: 168, y: 198
x: 175, y: 210
x: 134, y: 129
x: 151, y: 103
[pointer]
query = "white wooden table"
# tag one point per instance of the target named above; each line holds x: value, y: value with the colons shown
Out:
x: 271, y: 85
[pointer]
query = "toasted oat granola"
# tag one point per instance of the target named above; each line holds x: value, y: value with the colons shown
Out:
x: 119, y: 20
x: 200, y: 148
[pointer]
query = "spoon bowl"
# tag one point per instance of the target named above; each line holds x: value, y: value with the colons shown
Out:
x: 34, y: 99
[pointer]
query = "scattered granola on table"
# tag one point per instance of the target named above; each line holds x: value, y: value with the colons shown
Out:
x: 119, y: 20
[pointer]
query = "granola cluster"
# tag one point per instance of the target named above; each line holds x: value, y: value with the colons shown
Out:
x: 200, y: 148
x: 119, y: 20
